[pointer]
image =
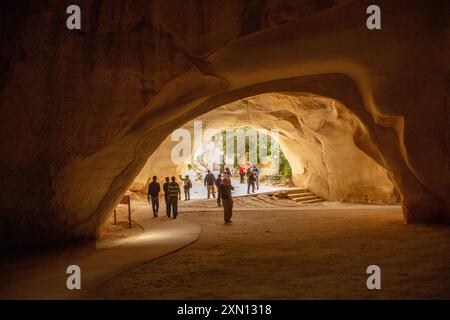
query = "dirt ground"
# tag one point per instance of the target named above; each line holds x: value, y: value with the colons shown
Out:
x: 316, y: 252
x: 38, y: 260
x: 262, y: 200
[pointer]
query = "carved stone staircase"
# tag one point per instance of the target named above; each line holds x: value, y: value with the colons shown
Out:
x: 303, y: 195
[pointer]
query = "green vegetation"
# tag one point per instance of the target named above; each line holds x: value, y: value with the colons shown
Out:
x: 285, y: 168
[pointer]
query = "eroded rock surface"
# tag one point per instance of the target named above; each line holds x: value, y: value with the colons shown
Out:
x: 83, y: 110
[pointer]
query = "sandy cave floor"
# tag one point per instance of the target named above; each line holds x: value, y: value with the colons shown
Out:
x: 275, y: 249
x: 313, y: 252
x: 17, y: 265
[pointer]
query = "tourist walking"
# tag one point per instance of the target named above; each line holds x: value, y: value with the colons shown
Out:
x: 209, y: 184
x: 250, y: 181
x: 227, y: 199
x: 241, y: 174
x: 174, y: 196
x: 153, y: 195
x: 187, y: 185
x: 166, y: 196
x: 218, y: 183
x: 255, y: 171
x: 227, y: 174
x: 247, y: 173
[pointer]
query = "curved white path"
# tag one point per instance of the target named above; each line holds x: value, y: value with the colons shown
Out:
x: 161, y: 236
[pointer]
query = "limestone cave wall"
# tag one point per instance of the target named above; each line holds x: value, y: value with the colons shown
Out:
x: 83, y: 110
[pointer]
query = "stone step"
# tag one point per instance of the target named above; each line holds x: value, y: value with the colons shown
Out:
x: 302, y: 199
x: 317, y: 200
x: 297, y: 190
x: 300, y: 195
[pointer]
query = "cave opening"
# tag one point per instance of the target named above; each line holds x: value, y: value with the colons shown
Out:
x: 363, y: 122
x: 318, y: 137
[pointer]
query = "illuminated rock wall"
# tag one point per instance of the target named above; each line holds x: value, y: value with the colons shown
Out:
x: 317, y: 137
x: 82, y: 111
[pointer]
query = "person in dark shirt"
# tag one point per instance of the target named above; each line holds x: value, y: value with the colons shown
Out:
x: 166, y: 196
x: 227, y: 199
x: 250, y: 181
x: 153, y: 195
x: 218, y: 183
x: 255, y: 171
x: 209, y: 184
x: 174, y: 195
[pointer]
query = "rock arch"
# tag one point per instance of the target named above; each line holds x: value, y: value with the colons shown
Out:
x: 83, y: 111
x: 317, y: 136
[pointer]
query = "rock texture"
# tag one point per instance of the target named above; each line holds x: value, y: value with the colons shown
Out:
x: 83, y: 110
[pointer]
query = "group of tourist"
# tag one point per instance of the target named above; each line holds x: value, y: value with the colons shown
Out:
x: 172, y: 191
x: 252, y: 175
x: 172, y: 194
